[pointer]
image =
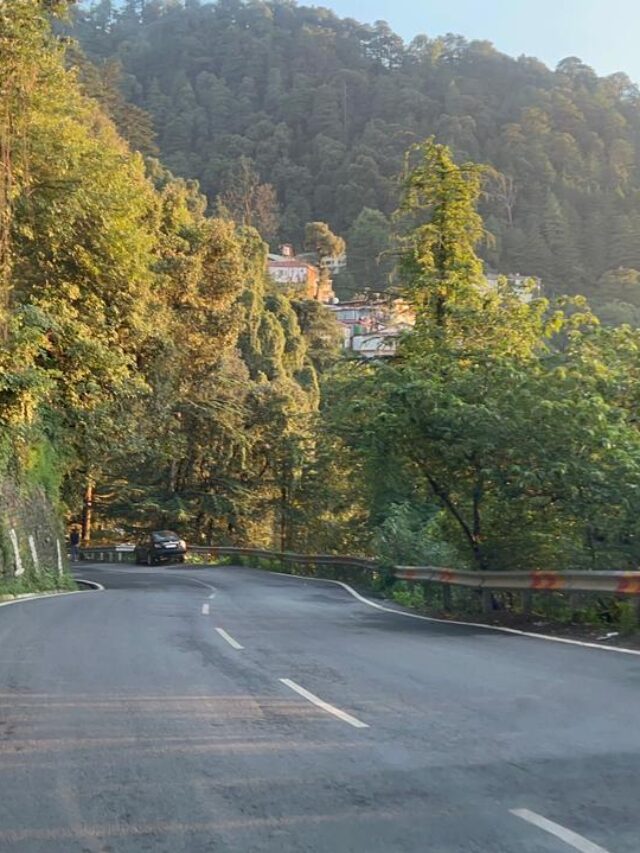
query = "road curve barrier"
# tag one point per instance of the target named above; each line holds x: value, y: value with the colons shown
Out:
x: 616, y: 583
x: 123, y: 553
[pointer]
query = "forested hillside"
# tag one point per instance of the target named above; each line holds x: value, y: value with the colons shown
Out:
x: 152, y: 373
x: 148, y: 370
x: 323, y: 110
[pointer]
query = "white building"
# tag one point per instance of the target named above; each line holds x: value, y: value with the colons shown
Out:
x: 372, y: 327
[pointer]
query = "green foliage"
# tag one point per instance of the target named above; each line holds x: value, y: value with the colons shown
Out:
x: 146, y: 354
x: 323, y: 334
x: 319, y: 238
x: 247, y: 201
x: 323, y: 109
x: 524, y: 461
x: 45, y: 468
x: 439, y: 267
x: 411, y: 536
x: 44, y: 581
x: 628, y: 619
x: 370, y: 258
x: 103, y: 83
x: 194, y: 559
x: 514, y: 419
x: 409, y: 595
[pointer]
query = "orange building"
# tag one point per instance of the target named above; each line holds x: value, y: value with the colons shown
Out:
x: 298, y: 276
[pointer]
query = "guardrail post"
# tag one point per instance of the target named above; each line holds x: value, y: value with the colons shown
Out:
x: 487, y: 601
x: 575, y: 600
x: 446, y: 598
x: 527, y: 602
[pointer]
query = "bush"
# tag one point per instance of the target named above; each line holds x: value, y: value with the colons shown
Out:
x: 628, y: 617
x: 409, y: 595
x: 411, y: 536
x: 44, y: 581
x: 210, y: 560
x: 199, y: 559
x: 382, y: 581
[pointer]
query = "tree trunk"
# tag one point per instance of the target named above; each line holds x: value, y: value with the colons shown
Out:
x: 173, y: 476
x: 472, y: 534
x: 87, y: 511
x: 478, y: 556
x: 6, y: 216
x: 283, y: 518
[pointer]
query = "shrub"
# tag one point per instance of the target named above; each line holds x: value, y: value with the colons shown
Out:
x: 628, y: 617
x: 412, y: 536
x: 409, y: 595
x: 44, y: 581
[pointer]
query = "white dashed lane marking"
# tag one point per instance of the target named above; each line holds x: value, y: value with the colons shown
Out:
x: 233, y: 643
x: 578, y: 842
x: 320, y: 703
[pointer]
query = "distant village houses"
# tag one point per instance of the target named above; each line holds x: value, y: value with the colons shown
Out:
x: 373, y: 323
x: 299, y: 276
x: 289, y: 271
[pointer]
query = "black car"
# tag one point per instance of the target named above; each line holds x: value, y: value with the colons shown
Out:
x: 162, y: 545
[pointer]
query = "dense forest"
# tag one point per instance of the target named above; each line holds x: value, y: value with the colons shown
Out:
x: 152, y: 373
x: 322, y: 110
x: 149, y: 370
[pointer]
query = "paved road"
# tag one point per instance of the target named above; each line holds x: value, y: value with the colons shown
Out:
x: 129, y: 722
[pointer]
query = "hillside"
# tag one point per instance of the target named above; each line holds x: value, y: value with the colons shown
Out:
x: 154, y: 377
x: 324, y: 109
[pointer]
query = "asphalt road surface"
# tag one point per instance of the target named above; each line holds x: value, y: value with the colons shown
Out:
x: 225, y: 709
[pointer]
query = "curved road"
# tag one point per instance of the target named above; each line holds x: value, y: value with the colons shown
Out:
x: 224, y: 709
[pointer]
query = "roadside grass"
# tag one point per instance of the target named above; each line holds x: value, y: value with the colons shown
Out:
x: 192, y: 559
x: 43, y: 581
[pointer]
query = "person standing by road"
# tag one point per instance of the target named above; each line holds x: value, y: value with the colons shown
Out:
x: 74, y: 541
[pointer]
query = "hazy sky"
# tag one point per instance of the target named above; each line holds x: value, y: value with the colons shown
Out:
x: 603, y: 33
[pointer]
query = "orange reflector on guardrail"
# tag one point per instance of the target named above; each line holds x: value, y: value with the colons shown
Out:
x: 547, y: 580
x: 629, y: 585
x: 447, y: 577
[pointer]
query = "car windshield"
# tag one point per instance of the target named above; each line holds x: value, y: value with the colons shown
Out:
x: 164, y: 536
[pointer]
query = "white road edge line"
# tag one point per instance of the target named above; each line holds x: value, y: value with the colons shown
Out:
x: 205, y: 609
x: 578, y: 842
x: 208, y: 586
x: 330, y: 709
x: 40, y: 596
x: 94, y: 584
x: 233, y: 643
x: 481, y: 625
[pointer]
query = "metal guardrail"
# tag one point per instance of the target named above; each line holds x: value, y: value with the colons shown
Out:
x: 108, y: 553
x: 616, y: 583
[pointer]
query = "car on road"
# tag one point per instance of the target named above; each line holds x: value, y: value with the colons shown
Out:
x: 160, y: 546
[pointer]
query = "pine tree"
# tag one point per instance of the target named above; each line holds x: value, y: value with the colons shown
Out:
x: 439, y: 264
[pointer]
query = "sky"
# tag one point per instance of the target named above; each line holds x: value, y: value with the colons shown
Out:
x: 603, y: 33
